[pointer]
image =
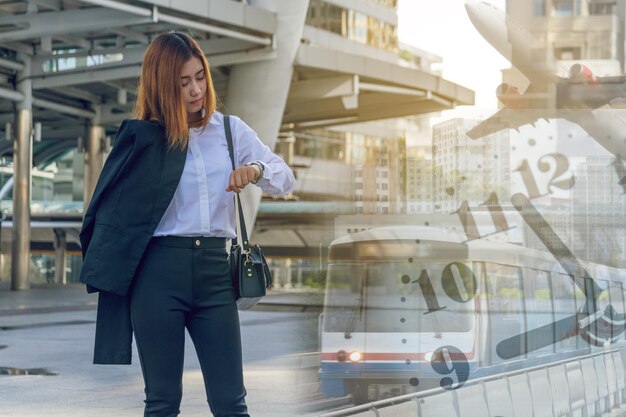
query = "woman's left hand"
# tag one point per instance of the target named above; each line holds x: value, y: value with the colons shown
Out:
x: 243, y: 176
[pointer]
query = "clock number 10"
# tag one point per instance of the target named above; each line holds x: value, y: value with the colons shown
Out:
x: 458, y: 282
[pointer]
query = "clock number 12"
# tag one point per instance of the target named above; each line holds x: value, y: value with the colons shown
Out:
x: 562, y: 165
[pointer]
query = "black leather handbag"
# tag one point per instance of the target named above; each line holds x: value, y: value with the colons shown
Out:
x: 248, y: 267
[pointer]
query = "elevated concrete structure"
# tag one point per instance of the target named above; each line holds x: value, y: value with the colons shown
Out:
x: 82, y: 60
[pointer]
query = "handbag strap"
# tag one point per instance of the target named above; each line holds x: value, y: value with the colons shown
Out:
x: 242, y: 223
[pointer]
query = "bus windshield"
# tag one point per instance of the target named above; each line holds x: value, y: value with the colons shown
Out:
x: 395, y: 297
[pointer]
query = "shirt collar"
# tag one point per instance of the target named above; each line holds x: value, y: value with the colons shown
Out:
x: 215, y: 119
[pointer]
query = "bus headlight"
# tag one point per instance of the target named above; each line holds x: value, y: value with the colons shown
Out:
x: 355, y: 356
x: 341, y: 356
x: 428, y: 356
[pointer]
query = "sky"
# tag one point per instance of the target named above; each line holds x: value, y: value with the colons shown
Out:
x: 443, y: 28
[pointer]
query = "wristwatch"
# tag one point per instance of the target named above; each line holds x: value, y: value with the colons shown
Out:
x: 261, y: 169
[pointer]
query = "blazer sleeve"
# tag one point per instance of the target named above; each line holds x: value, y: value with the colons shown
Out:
x: 113, y: 168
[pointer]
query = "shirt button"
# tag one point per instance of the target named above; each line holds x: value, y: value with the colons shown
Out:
x: 197, y: 242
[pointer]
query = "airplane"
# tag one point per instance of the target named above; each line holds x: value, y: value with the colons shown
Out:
x: 596, y: 104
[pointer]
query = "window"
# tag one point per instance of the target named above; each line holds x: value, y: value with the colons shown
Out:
x: 538, y: 302
x: 567, y: 53
x: 505, y: 300
x: 540, y: 8
x: 353, y: 25
x: 562, y: 8
x: 388, y: 3
x: 611, y: 302
x: 601, y: 8
x: 617, y: 302
x: 567, y: 299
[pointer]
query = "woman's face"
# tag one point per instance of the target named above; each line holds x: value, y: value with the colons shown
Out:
x: 193, y: 87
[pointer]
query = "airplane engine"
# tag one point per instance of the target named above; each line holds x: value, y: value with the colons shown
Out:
x: 510, y: 96
x: 582, y: 74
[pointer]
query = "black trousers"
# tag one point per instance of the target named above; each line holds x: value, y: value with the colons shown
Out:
x: 183, y: 283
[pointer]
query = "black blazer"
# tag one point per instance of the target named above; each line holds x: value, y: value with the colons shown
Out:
x: 135, y: 188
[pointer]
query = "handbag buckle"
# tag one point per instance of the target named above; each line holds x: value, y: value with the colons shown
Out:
x: 247, y: 261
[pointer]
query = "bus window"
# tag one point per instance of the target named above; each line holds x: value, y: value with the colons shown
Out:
x: 616, y: 295
x: 579, y: 296
x: 398, y: 294
x: 505, y: 304
x: 611, y: 302
x: 603, y: 300
x: 563, y: 296
x: 345, y: 286
x: 538, y: 303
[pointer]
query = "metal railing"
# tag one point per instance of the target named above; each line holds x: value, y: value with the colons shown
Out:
x: 376, y: 405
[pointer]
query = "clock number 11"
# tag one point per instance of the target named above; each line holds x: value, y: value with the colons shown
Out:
x: 493, y: 204
x: 469, y: 223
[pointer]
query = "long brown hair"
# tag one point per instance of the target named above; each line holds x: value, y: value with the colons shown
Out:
x: 159, y: 92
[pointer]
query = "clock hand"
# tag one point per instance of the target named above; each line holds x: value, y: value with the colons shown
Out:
x: 569, y: 326
x: 545, y: 335
x: 559, y: 250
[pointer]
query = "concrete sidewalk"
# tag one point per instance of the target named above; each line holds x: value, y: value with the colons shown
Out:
x: 46, y: 345
x: 73, y: 297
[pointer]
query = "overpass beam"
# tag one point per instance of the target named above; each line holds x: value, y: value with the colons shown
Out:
x: 270, y: 80
x: 22, y: 164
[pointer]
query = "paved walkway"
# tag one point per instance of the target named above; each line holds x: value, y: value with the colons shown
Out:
x: 51, y: 329
x: 48, y: 298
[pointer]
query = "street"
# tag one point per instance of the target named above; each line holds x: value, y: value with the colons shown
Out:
x: 46, y: 370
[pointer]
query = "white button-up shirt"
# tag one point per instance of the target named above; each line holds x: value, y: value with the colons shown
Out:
x: 201, y: 206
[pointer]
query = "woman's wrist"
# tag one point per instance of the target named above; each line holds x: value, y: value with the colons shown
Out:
x: 258, y: 168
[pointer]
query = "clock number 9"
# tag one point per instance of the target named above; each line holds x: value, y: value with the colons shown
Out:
x: 448, y: 359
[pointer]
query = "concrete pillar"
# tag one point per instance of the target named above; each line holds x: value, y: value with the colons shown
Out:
x: 287, y: 269
x: 22, y: 164
x: 93, y: 160
x: 300, y: 262
x: 270, y: 81
x: 60, y: 249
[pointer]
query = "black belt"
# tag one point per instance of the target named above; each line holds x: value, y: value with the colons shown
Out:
x: 189, y: 241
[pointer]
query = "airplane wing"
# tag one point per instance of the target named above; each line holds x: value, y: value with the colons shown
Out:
x: 575, y: 98
x: 509, y: 118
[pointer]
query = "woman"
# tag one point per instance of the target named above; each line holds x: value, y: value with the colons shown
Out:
x: 154, y: 235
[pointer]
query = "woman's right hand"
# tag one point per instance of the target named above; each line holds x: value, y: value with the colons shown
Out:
x: 243, y: 176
